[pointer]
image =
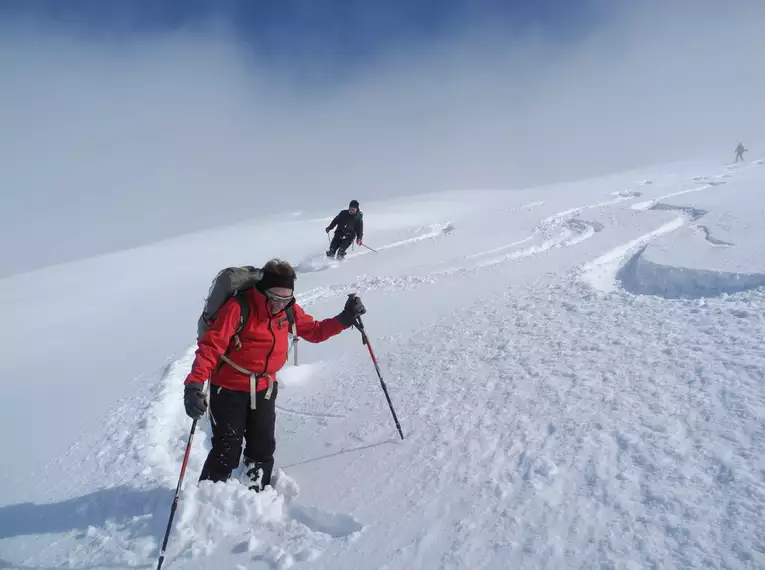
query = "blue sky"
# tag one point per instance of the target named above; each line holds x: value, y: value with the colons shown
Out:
x: 300, y: 35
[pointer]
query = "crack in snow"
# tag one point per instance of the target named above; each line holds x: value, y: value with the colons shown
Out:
x: 692, y: 213
x: 713, y: 240
x: 643, y: 277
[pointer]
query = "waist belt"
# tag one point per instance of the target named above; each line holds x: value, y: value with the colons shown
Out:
x: 253, y: 380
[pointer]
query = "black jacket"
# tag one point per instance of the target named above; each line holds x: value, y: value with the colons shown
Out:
x: 349, y: 224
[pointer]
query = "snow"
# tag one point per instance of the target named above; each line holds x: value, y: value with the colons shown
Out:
x: 578, y: 370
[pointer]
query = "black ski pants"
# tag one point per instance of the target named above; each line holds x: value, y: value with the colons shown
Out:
x: 232, y: 420
x: 340, y: 243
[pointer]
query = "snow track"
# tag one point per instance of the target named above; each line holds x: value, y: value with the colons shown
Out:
x: 562, y: 229
x: 648, y: 204
x: 320, y: 262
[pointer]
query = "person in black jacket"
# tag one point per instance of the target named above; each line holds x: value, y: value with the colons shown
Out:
x: 350, y: 225
x: 740, y: 150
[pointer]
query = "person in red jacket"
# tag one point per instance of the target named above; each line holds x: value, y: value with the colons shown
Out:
x: 242, y: 372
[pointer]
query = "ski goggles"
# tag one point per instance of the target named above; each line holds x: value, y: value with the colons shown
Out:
x: 278, y: 298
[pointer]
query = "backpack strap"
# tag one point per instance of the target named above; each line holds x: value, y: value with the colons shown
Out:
x: 244, y: 315
x: 290, y: 310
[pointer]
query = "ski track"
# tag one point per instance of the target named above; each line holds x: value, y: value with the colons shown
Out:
x: 570, y: 233
x: 434, y: 231
x: 561, y: 229
x: 500, y: 248
x: 320, y: 262
x: 648, y: 204
x: 313, y: 415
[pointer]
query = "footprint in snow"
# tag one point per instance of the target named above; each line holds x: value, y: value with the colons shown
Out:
x: 334, y: 524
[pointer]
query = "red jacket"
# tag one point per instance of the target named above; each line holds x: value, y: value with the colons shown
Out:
x: 264, y: 343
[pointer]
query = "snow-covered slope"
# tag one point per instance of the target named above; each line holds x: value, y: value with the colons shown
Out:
x: 578, y: 370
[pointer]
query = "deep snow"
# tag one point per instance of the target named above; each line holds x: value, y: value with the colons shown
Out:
x: 578, y: 370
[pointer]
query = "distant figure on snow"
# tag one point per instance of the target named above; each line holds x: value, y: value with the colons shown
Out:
x: 740, y: 150
x: 350, y: 225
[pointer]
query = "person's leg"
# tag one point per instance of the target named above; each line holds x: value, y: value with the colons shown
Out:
x: 228, y: 416
x: 336, y: 240
x: 344, y: 245
x: 261, y: 441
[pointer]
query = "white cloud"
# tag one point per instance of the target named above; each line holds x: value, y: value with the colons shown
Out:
x: 110, y: 144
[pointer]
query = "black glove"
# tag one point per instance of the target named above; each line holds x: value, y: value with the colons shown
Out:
x: 194, y: 400
x: 354, y: 308
x: 327, y: 230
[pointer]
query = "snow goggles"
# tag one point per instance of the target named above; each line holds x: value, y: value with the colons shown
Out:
x: 279, y: 298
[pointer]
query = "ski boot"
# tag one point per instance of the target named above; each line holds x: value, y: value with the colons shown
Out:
x: 257, y: 474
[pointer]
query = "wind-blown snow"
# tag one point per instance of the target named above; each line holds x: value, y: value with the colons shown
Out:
x: 578, y: 369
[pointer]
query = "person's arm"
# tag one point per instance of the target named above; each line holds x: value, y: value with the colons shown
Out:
x: 312, y: 330
x: 214, y: 342
x: 335, y: 221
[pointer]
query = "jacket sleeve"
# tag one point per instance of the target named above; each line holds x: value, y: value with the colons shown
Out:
x: 334, y: 222
x: 313, y: 330
x: 360, y: 226
x: 214, y: 342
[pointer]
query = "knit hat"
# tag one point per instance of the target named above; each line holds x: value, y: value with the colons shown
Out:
x: 354, y: 204
x: 275, y: 280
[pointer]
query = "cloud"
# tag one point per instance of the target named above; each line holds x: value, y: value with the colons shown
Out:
x: 111, y: 143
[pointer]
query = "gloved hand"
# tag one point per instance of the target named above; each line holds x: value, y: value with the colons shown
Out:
x: 358, y: 241
x: 327, y: 230
x: 354, y: 308
x: 194, y: 400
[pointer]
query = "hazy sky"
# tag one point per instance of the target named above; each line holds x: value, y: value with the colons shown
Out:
x: 126, y: 122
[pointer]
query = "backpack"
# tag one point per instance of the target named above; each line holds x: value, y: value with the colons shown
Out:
x: 232, y: 282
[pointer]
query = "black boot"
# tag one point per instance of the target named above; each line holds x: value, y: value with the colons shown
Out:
x: 211, y: 473
x: 258, y: 474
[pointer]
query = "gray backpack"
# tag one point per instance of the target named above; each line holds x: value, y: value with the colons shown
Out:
x: 233, y: 282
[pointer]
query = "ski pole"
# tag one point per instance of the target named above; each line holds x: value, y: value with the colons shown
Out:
x: 177, y: 494
x: 369, y: 248
x: 365, y: 339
